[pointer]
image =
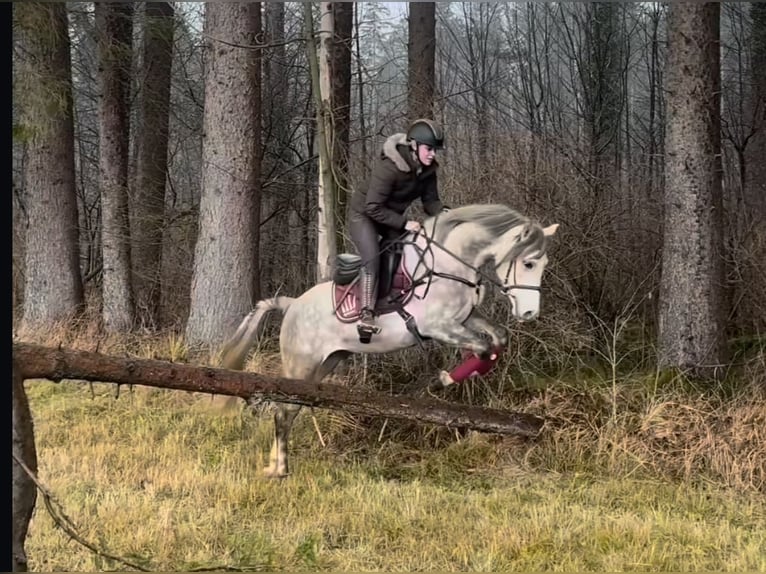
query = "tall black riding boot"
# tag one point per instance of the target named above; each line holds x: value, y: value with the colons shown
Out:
x: 367, y: 294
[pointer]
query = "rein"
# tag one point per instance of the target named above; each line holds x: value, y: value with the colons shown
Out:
x: 429, y: 273
x: 504, y: 287
x: 427, y: 277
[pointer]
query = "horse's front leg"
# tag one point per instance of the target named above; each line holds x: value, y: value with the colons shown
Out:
x: 468, y: 335
x: 456, y: 334
x: 478, y: 322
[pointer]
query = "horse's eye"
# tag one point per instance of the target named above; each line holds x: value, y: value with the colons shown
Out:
x: 529, y: 265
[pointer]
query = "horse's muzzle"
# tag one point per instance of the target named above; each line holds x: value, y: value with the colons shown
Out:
x: 528, y: 316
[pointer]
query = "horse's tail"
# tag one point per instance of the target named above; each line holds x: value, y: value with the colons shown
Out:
x: 236, y: 348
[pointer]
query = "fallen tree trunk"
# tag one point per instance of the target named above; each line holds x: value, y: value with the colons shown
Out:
x: 38, y: 362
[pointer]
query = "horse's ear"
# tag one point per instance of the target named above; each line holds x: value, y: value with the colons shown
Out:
x: 550, y: 230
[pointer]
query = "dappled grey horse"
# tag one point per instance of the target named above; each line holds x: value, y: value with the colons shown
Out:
x: 445, y: 286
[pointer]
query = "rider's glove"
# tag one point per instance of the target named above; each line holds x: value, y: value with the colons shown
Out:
x: 413, y: 226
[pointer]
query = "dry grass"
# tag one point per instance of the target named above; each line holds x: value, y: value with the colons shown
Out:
x: 161, y: 475
x: 642, y: 473
x: 672, y: 434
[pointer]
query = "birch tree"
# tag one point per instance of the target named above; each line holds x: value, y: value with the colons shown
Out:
x: 320, y: 66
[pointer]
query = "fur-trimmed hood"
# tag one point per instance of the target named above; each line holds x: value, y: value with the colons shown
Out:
x: 398, y: 151
x: 391, y: 151
x: 396, y: 180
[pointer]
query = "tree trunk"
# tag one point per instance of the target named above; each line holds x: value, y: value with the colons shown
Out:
x: 692, y: 303
x: 751, y: 260
x: 226, y: 254
x: 148, y: 198
x: 421, y: 58
x: 114, y: 25
x: 654, y: 89
x: 319, y: 65
x: 343, y: 20
x: 56, y: 364
x: 277, y: 199
x: 276, y: 75
x: 757, y: 174
x: 53, y: 290
x: 24, y: 489
x: 602, y: 87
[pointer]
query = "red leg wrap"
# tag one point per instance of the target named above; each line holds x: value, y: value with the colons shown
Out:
x: 473, y: 366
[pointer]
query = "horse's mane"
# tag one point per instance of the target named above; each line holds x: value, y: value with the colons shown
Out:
x: 496, y: 219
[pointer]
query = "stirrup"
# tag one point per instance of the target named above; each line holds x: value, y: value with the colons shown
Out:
x: 366, y: 328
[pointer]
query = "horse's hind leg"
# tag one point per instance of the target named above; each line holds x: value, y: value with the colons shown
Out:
x: 286, y: 413
x: 283, y: 422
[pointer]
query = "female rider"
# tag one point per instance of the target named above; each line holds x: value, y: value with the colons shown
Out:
x: 404, y: 171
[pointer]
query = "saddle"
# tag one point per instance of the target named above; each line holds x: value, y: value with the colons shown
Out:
x: 394, y: 283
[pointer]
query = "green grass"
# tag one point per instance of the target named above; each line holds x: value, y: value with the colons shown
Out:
x: 167, y: 477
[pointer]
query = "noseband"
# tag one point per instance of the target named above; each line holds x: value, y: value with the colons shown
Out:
x: 505, y: 288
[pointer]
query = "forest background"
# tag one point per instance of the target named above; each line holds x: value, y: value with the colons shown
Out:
x: 175, y: 162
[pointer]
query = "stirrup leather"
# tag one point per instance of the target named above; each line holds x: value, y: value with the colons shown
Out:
x: 367, y: 321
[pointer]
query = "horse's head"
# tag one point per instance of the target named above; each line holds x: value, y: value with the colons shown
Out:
x: 522, y: 256
x: 517, y: 245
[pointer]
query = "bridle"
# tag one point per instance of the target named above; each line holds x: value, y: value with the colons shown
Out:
x: 427, y: 277
x: 504, y: 287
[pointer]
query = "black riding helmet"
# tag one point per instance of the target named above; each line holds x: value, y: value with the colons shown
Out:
x: 426, y: 132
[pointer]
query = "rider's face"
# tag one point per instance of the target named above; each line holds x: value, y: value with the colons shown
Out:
x: 426, y: 154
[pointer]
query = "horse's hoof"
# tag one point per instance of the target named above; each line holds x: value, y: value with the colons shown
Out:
x: 445, y: 379
x: 271, y: 472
